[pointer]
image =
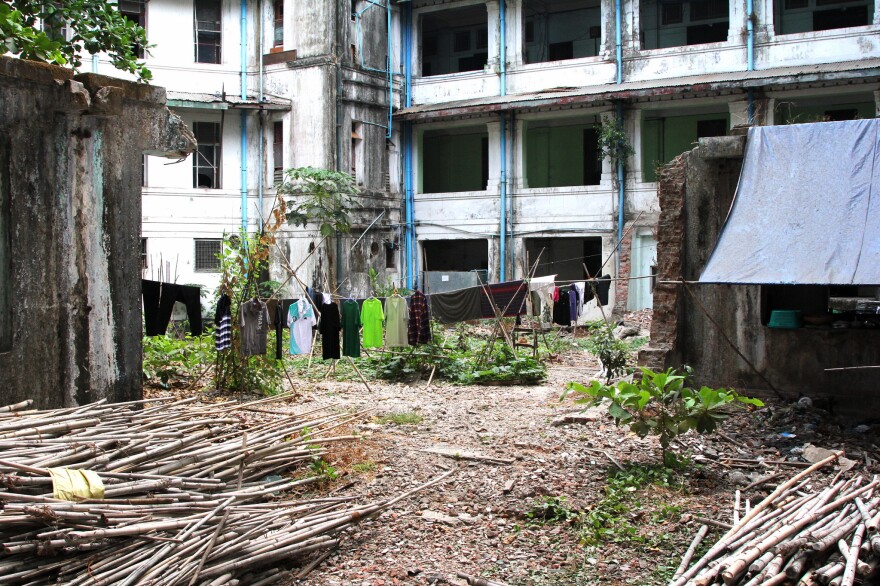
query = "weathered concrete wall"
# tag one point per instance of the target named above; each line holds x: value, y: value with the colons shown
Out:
x: 70, y: 162
x: 695, y: 192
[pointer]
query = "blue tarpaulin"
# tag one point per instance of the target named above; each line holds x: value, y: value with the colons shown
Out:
x: 806, y: 209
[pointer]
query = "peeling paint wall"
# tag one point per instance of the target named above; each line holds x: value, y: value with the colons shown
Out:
x: 70, y: 161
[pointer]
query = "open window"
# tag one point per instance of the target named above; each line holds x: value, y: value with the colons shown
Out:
x: 278, y: 23
x: 562, y: 153
x: 456, y: 159
x: 676, y: 24
x: 356, y: 154
x: 566, y: 257
x: 135, y: 11
x: 554, y: 30
x: 454, y: 41
x: 800, y: 110
x: 665, y: 136
x: 278, y: 152
x: 799, y: 16
x: 206, y: 158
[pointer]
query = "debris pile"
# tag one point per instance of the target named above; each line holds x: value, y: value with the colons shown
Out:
x: 797, y: 537
x: 168, y: 493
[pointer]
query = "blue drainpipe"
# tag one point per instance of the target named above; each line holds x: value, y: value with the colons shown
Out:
x: 408, y: 196
x: 244, y: 205
x: 750, y: 53
x: 502, y: 50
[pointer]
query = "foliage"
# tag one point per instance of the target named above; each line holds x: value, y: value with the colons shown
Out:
x: 661, y: 404
x: 611, y: 352
x: 613, y: 141
x: 401, y: 418
x: 386, y: 288
x: 509, y: 366
x: 323, y: 470
x: 167, y: 358
x: 91, y: 25
x: 324, y: 198
x: 551, y: 509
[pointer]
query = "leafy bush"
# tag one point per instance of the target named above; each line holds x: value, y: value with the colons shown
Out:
x: 661, y: 404
x: 551, y: 509
x: 167, y: 358
x: 611, y: 352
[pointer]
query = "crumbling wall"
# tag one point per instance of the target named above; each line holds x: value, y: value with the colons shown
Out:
x: 699, y: 324
x: 71, y: 151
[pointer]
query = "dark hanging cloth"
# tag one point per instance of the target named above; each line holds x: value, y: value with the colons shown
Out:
x: 351, y: 326
x: 562, y: 309
x: 573, y: 300
x: 456, y: 306
x: 254, y: 322
x: 279, y: 331
x: 329, y: 327
x: 223, y: 323
x: 510, y: 295
x: 159, y: 299
x: 419, y: 319
x: 603, y: 285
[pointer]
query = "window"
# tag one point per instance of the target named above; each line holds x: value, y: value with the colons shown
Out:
x: 144, y: 256
x: 562, y: 153
x: 207, y: 255
x: 798, y: 16
x: 676, y: 24
x: 555, y: 30
x: 454, y: 40
x: 455, y: 160
x: 665, y: 136
x: 390, y: 255
x: 357, y: 142
x: 206, y: 159
x: 135, y: 11
x: 278, y: 39
x: 278, y: 152
x: 208, y: 31
x: 855, y: 107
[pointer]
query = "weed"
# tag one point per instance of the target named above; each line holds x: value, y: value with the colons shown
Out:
x: 364, y: 467
x: 167, y: 358
x: 614, y: 354
x: 322, y: 469
x: 401, y: 418
x: 551, y: 509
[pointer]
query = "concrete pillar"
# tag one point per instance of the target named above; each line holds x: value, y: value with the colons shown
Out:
x: 739, y: 112
x: 494, y: 183
x: 515, y: 25
x: 494, y: 35
x: 877, y: 100
x: 737, y: 19
x: 520, y: 155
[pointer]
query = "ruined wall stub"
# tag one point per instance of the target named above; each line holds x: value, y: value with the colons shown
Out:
x: 71, y: 150
x: 695, y: 191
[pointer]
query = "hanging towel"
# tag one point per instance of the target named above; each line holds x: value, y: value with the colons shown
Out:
x: 329, y: 327
x: 509, y: 298
x: 419, y: 319
x: 372, y: 317
x: 583, y: 292
x: 544, y: 286
x: 254, y: 322
x: 351, y: 325
x: 223, y: 323
x: 397, y: 318
x: 456, y: 306
x: 301, y: 320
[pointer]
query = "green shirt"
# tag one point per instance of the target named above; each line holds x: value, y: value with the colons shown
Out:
x: 371, y: 318
x: 396, y: 326
x: 351, y: 326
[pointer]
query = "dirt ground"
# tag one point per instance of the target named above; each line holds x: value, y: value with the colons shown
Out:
x: 535, y: 505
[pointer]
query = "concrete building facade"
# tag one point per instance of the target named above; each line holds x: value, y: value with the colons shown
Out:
x: 471, y: 125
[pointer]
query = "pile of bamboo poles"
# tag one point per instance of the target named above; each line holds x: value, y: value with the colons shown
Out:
x: 796, y: 536
x: 185, y: 494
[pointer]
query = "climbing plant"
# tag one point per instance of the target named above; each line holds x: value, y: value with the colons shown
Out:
x: 61, y: 32
x: 613, y: 141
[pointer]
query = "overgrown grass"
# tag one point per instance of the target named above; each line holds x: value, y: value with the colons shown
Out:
x: 401, y: 418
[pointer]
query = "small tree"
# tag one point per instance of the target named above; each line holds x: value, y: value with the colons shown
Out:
x: 662, y: 404
x: 320, y: 197
x: 33, y: 30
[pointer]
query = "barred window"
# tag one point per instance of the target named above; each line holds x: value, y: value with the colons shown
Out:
x: 208, y: 255
x: 208, y: 31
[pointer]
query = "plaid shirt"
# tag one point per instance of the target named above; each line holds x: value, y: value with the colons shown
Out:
x: 419, y: 321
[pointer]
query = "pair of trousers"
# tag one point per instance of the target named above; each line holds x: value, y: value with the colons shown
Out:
x: 159, y: 299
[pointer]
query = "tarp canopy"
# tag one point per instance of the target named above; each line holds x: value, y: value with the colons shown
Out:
x: 806, y: 209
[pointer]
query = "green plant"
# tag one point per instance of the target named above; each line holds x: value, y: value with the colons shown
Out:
x: 33, y: 30
x: 613, y: 141
x: 401, y: 418
x: 661, y: 404
x: 551, y: 509
x: 167, y: 358
x: 612, y: 353
x: 384, y: 288
x: 364, y: 467
x: 322, y: 469
x: 322, y: 197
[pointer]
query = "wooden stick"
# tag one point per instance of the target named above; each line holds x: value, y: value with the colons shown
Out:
x: 689, y: 554
x: 361, y: 376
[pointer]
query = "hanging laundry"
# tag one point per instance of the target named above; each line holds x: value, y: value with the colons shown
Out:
x: 419, y: 319
x: 223, y: 323
x: 351, y: 325
x: 573, y: 302
x: 562, y: 309
x: 509, y: 298
x: 301, y: 320
x: 329, y: 327
x: 456, y: 306
x: 372, y: 317
x: 603, y: 286
x: 254, y: 321
x: 544, y: 287
x: 397, y: 316
x: 583, y: 293
x: 159, y: 299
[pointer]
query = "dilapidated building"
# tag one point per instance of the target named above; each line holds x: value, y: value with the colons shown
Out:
x: 472, y: 124
x: 70, y: 152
